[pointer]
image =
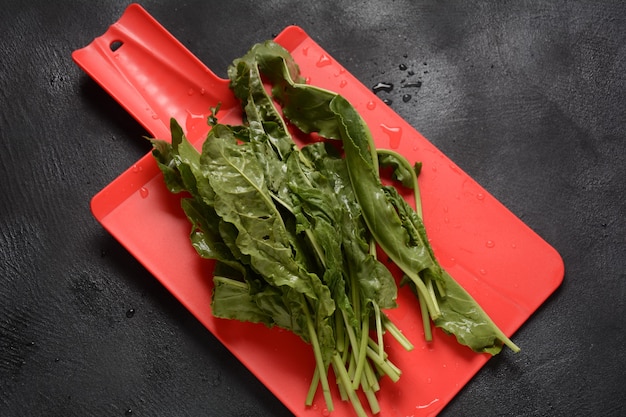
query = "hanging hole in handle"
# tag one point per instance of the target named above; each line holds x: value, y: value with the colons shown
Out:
x: 115, y: 45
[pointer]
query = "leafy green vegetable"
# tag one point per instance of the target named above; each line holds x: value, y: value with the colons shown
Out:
x: 294, y: 230
x: 396, y: 228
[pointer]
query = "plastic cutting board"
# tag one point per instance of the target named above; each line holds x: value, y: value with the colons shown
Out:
x: 506, y: 266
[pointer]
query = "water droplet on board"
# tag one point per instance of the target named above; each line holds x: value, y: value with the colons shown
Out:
x: 402, y: 67
x: 387, y: 101
x: 324, y: 61
x: 482, y: 271
x: 325, y: 412
x: 305, y: 51
x: 371, y: 105
x: 190, y: 92
x: 343, y: 83
x: 137, y: 169
x: 341, y: 71
x: 394, y: 133
x: 386, y: 87
x: 143, y: 192
x: 406, y: 98
x: 155, y: 116
x: 130, y: 313
x: 128, y: 412
x: 455, y: 168
x: 202, y: 91
x: 490, y: 244
x: 480, y: 196
x: 194, y: 121
x: 425, y: 406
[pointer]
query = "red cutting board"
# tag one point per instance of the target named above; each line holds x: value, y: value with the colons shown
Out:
x: 505, y: 266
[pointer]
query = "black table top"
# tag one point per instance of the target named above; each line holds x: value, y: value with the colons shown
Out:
x: 529, y: 98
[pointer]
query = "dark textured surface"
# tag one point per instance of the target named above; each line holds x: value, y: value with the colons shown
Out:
x: 528, y: 97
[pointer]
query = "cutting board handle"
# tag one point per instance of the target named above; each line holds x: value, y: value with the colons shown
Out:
x: 152, y: 75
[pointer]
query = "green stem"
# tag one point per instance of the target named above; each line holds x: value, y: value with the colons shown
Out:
x: 416, y: 188
x: 339, y: 333
x: 370, y: 395
x: 317, y: 352
x: 428, y: 334
x: 430, y: 300
x: 351, y: 335
x: 396, y: 333
x: 361, y: 354
x: 340, y: 370
x: 379, y: 328
x: 371, y: 378
x: 315, y: 380
x: 385, y: 366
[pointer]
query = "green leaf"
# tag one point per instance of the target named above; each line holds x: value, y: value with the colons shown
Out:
x: 466, y: 320
x: 232, y: 300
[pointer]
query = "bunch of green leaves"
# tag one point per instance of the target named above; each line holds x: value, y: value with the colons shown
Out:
x: 288, y: 237
x: 394, y: 225
x: 294, y: 230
